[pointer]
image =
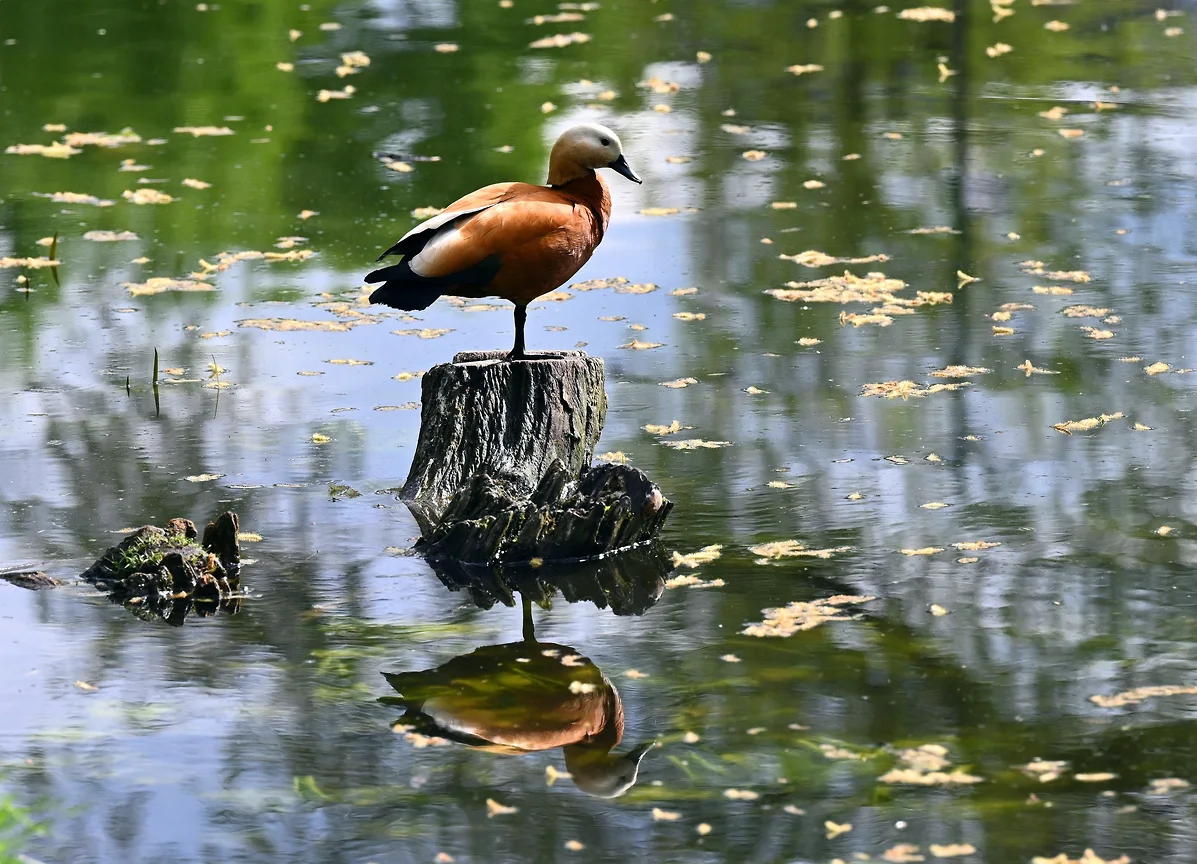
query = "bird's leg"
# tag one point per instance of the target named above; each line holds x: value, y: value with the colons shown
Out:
x: 521, y: 315
x: 529, y: 627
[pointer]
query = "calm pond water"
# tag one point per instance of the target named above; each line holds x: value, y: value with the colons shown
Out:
x: 1059, y: 175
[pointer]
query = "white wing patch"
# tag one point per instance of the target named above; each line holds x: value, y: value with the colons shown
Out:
x: 424, y: 263
x: 442, y: 715
x: 441, y: 219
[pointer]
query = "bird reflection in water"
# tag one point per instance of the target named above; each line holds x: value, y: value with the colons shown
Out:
x: 525, y: 697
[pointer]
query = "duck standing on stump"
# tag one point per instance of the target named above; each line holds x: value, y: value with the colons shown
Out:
x: 511, y: 240
x: 525, y: 697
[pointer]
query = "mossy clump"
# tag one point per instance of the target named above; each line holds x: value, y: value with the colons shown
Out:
x: 153, y: 567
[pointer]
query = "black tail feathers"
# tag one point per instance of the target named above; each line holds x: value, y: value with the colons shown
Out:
x: 405, y: 289
x: 405, y: 296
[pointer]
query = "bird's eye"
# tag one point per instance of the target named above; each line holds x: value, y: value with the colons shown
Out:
x: 606, y: 142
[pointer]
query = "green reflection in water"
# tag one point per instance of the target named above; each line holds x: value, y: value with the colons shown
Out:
x: 258, y: 737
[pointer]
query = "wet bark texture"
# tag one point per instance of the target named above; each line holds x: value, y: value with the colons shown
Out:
x: 481, y: 415
x: 32, y: 580
x: 610, y: 507
x: 163, y: 572
x: 502, y: 471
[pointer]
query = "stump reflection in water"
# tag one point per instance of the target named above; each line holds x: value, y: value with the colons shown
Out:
x: 628, y: 583
x: 525, y: 697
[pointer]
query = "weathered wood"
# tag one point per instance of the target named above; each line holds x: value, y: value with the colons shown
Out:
x: 610, y: 507
x: 502, y: 474
x: 482, y: 415
x: 32, y: 580
x: 221, y: 539
x: 161, y: 573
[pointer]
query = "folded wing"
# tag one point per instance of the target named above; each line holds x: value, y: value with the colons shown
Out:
x: 415, y: 239
x: 498, y: 230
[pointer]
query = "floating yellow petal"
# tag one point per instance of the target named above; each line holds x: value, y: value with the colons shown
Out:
x: 201, y: 131
x: 834, y: 830
x: 161, y: 284
x: 560, y: 40
x: 146, y: 196
x: 328, y: 95
x: 705, y: 555
x: 928, y: 13
x: 784, y: 621
x: 1070, y: 426
x: 959, y: 371
x: 1141, y: 694
x: 57, y: 150
x: 952, y: 850
x: 28, y: 263
x: 696, y: 444
x: 494, y: 808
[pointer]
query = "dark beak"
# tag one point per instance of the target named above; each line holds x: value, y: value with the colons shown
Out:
x: 640, y: 752
x: 620, y: 166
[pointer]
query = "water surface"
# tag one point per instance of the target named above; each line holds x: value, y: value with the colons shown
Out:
x: 257, y: 737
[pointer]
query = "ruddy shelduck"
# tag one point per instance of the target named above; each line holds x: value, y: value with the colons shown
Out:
x: 525, y: 697
x: 511, y: 240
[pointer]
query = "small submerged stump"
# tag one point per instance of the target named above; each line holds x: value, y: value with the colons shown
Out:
x: 502, y: 473
x: 31, y: 580
x: 155, y: 568
x: 508, y: 420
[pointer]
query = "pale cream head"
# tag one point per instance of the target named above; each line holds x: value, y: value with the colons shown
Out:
x: 584, y: 148
x: 601, y: 774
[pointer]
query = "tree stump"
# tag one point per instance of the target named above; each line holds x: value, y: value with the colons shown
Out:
x: 220, y: 538
x: 482, y: 415
x: 502, y: 473
x: 164, y: 572
x: 566, y: 518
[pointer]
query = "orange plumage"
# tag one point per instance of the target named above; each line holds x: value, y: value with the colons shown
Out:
x: 511, y: 240
x: 525, y: 697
